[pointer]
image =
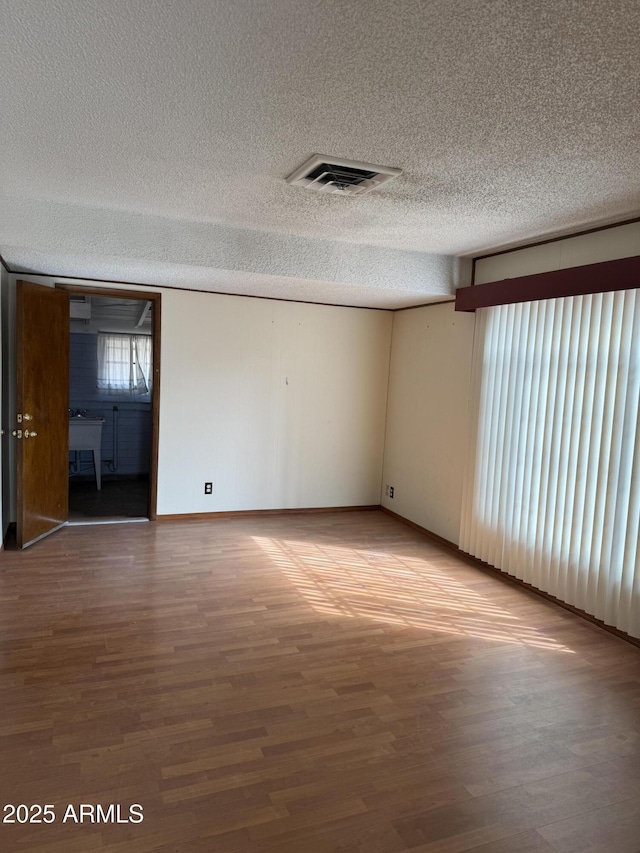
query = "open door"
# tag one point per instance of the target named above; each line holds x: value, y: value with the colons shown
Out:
x: 42, y: 395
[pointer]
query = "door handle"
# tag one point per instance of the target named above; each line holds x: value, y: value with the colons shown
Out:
x: 30, y: 433
x: 17, y: 433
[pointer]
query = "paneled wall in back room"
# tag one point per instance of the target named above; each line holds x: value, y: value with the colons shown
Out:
x: 133, y: 416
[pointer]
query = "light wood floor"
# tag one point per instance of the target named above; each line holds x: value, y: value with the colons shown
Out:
x: 310, y: 684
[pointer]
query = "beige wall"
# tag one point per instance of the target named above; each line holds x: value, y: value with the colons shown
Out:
x: 610, y: 244
x: 280, y: 404
x: 427, y: 416
x: 4, y: 285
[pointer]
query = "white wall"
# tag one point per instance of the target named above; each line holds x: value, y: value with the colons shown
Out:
x: 4, y: 286
x: 279, y: 404
x: 8, y: 303
x: 427, y: 416
x: 609, y: 244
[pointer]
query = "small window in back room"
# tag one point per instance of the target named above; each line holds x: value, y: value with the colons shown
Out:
x: 124, y: 364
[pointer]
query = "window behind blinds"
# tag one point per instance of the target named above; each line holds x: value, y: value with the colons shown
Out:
x: 552, y: 488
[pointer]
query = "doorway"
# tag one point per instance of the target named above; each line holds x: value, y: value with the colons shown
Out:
x: 113, y: 405
x: 38, y: 407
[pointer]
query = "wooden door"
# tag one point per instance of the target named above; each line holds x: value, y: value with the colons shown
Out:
x: 42, y: 405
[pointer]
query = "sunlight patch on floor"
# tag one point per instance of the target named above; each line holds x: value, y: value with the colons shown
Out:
x: 396, y: 590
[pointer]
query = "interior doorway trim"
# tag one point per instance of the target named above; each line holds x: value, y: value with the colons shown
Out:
x: 156, y: 300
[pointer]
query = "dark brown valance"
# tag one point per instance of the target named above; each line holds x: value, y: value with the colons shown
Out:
x: 623, y: 274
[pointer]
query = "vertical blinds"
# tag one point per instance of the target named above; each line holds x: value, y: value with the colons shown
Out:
x: 552, y: 487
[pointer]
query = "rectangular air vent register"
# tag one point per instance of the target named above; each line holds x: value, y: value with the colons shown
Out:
x: 346, y: 177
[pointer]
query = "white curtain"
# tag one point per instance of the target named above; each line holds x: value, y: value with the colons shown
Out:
x: 124, y: 364
x: 552, y: 489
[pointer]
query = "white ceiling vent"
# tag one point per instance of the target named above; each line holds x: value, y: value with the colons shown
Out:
x: 346, y: 177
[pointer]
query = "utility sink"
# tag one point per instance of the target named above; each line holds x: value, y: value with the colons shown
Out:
x: 86, y: 434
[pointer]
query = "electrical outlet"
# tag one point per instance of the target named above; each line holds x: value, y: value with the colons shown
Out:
x: 208, y: 488
x: 390, y: 491
x: 386, y: 490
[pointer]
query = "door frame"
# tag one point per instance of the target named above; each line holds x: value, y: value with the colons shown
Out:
x: 156, y: 300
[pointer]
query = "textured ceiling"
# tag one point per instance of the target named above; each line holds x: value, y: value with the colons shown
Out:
x: 150, y: 141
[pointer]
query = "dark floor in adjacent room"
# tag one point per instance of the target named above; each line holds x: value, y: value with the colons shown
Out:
x: 306, y: 684
x: 118, y: 498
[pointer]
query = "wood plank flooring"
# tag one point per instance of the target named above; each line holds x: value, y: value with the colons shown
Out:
x: 306, y: 684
